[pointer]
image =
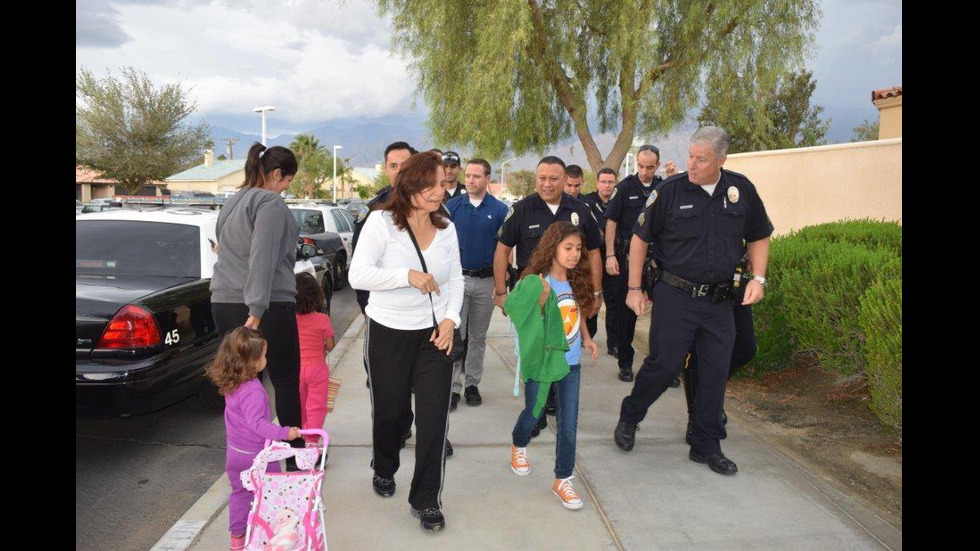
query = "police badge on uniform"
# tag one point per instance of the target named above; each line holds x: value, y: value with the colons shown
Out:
x: 574, y: 219
x: 733, y: 194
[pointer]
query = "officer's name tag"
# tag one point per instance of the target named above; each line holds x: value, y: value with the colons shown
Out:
x: 686, y: 207
x: 534, y: 226
x: 634, y: 197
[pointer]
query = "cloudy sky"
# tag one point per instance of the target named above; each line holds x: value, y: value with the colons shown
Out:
x: 318, y: 61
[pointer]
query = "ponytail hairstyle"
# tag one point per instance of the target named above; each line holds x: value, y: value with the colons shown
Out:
x: 262, y: 160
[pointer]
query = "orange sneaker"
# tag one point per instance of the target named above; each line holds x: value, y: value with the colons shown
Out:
x: 569, y: 497
x: 518, y: 461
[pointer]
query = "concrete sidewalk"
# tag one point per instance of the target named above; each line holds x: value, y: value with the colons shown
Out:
x: 651, y: 498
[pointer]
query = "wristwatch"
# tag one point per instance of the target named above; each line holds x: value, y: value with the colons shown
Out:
x: 761, y: 280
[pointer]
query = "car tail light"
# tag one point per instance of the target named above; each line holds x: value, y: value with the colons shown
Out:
x: 309, y: 241
x: 132, y: 327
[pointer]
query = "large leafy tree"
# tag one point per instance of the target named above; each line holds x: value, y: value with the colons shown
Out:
x: 522, y: 75
x: 132, y: 131
x: 867, y: 131
x: 785, y: 120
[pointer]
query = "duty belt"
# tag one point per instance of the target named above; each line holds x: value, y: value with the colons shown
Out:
x: 696, y: 289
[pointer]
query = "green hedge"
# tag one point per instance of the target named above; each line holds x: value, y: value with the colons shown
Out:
x: 881, y: 321
x: 833, y: 296
x: 872, y: 234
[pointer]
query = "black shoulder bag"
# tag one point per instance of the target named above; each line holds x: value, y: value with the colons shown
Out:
x: 458, y: 350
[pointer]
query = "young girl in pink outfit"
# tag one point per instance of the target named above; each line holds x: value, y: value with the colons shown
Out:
x: 316, y: 338
x: 248, y: 418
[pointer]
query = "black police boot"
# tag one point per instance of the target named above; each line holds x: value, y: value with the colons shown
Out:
x: 717, y: 462
x: 625, y: 435
x: 454, y: 401
x: 690, y: 378
x: 626, y: 375
x: 430, y: 519
x: 614, y: 351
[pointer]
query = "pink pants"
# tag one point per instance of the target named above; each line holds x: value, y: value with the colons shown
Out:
x: 314, y: 382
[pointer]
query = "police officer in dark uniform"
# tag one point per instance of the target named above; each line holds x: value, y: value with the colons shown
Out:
x: 599, y: 201
x: 696, y: 224
x: 623, y: 211
x: 529, y: 217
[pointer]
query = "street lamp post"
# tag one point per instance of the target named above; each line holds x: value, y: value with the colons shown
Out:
x: 503, y: 172
x: 263, y: 110
x: 335, y: 148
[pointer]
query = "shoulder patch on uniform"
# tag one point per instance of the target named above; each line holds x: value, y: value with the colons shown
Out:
x: 643, y: 218
x: 651, y: 198
x: 362, y: 213
x: 500, y: 230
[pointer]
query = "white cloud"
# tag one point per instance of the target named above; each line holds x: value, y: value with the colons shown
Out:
x: 888, y: 48
x: 314, y: 61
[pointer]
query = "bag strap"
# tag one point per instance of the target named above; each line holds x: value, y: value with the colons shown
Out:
x: 418, y: 249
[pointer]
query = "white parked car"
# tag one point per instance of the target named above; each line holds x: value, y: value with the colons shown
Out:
x: 315, y: 220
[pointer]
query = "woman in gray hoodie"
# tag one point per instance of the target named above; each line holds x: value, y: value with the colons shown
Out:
x: 253, y: 282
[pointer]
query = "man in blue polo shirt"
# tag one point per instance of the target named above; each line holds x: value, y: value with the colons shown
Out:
x: 477, y: 216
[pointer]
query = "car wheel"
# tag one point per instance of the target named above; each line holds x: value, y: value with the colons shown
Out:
x: 339, y: 271
x: 209, y: 397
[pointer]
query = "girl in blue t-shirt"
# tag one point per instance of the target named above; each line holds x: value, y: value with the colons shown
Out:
x: 562, y: 264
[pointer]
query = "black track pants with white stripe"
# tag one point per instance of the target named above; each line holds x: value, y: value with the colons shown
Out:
x: 397, y: 361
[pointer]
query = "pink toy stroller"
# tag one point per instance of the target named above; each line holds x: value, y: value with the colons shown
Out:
x: 287, y: 509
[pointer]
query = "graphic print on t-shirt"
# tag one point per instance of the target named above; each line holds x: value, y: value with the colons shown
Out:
x: 569, y: 315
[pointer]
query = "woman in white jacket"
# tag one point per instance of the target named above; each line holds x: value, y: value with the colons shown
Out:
x: 402, y: 346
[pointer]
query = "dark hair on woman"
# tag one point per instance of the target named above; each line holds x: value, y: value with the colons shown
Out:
x: 235, y: 361
x: 418, y: 173
x: 262, y: 160
x: 309, y: 295
x: 579, y: 277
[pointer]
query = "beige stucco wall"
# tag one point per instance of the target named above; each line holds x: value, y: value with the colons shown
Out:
x: 227, y: 183
x: 890, y: 118
x: 812, y: 185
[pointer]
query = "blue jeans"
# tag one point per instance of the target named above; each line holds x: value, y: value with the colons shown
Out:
x: 566, y: 401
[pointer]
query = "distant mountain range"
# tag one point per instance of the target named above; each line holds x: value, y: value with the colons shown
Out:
x: 364, y: 140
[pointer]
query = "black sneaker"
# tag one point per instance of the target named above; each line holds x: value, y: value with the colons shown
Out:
x: 626, y: 375
x: 473, y: 397
x: 454, y: 401
x: 542, y: 424
x: 449, y: 449
x: 384, y: 487
x: 430, y: 519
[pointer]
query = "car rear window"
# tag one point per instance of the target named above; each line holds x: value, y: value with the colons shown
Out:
x: 128, y: 247
x: 310, y: 221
